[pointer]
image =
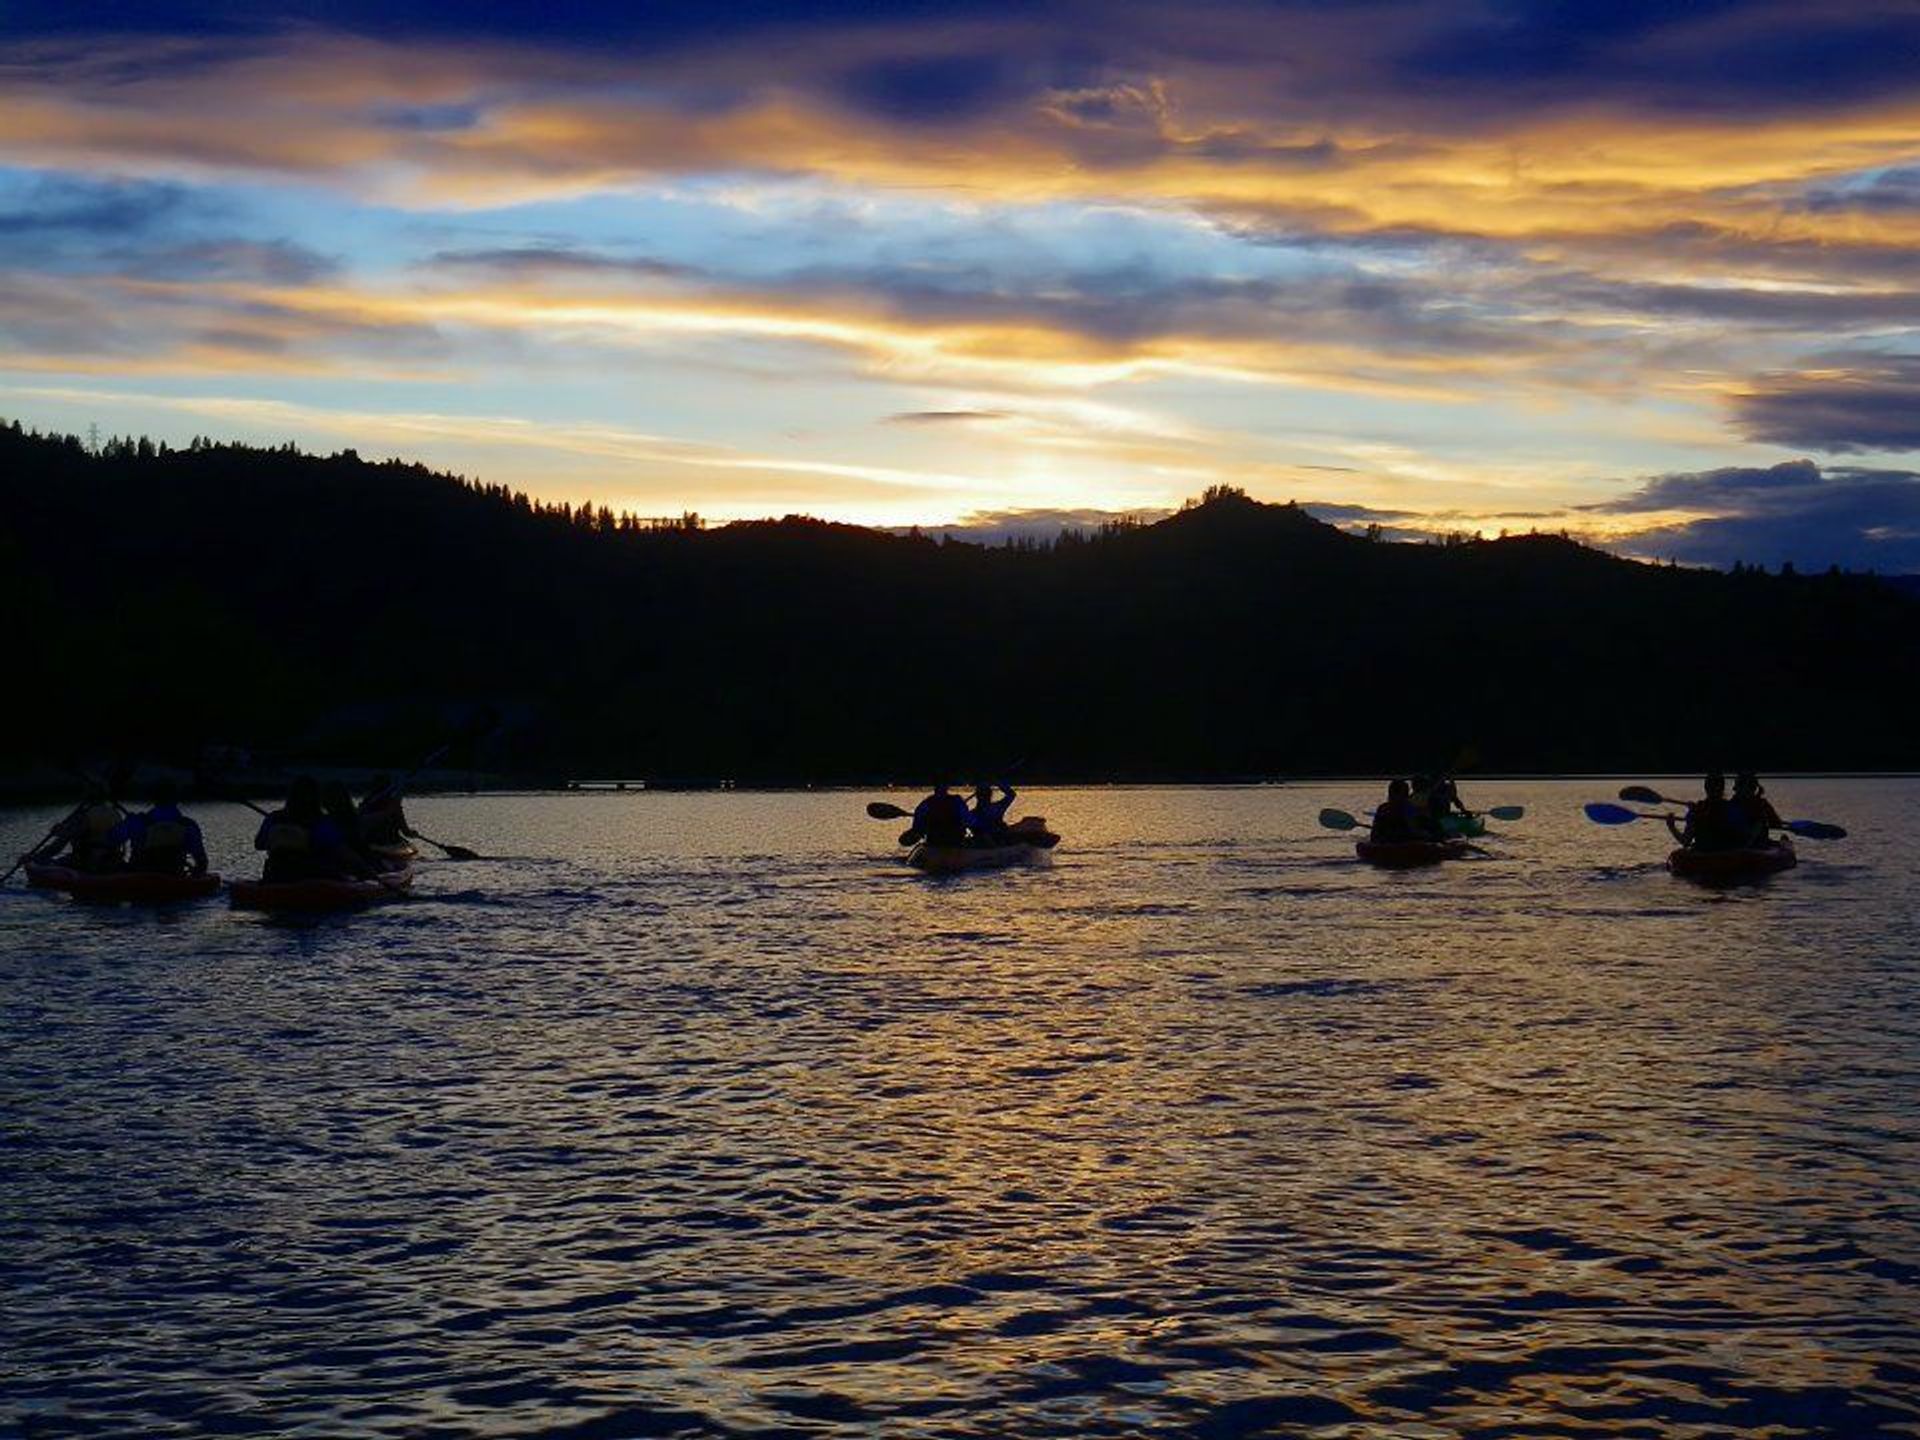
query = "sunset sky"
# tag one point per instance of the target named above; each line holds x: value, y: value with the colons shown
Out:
x: 1647, y: 271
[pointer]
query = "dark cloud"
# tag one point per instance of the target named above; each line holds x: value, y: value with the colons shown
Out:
x: 580, y: 22
x: 1858, y: 404
x: 60, y: 209
x: 944, y: 417
x: 1732, y: 488
x: 1707, y: 55
x: 1888, y: 192
x: 143, y: 230
x: 937, y: 89
x: 521, y: 260
x: 1859, y: 519
x: 273, y: 262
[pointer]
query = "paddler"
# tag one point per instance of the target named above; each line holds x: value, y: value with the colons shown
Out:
x: 163, y: 841
x: 940, y: 819
x: 383, y: 818
x: 301, y: 842
x: 1443, y: 800
x: 1753, y: 814
x: 987, y: 817
x: 84, y: 840
x: 1710, y: 823
x: 1399, y: 821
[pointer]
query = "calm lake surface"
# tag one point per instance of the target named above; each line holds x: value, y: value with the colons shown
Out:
x: 700, y: 1115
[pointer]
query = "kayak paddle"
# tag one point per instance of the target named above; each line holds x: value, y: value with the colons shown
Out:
x: 1341, y: 820
x: 881, y: 810
x: 1814, y: 829
x: 1643, y: 795
x: 41, y: 845
x: 452, y: 852
x: 1603, y: 814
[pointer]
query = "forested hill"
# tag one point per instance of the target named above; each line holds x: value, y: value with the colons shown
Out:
x: 327, y: 608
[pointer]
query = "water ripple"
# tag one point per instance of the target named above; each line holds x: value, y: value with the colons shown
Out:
x: 715, y: 1122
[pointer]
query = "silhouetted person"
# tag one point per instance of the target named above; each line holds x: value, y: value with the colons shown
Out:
x: 1443, y: 799
x: 300, y: 841
x: 988, y: 817
x: 1753, y: 814
x: 1711, y: 823
x: 1399, y: 821
x: 941, y: 818
x: 84, y: 840
x: 383, y: 818
x: 162, y: 841
x: 337, y: 801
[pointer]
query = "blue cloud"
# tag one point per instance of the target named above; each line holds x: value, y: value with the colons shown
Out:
x: 1857, y: 403
x: 1859, y: 519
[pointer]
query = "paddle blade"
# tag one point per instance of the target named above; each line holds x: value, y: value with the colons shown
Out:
x: 1602, y: 814
x: 1640, y: 795
x: 1338, y: 820
x: 881, y: 810
x: 1508, y: 812
x: 1815, y: 830
x: 459, y: 852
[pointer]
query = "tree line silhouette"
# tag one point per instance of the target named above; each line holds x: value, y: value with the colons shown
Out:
x: 323, y: 608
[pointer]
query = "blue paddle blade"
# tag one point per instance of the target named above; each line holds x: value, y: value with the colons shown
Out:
x: 1815, y: 830
x: 1603, y: 814
x: 1338, y: 820
x: 1507, y: 812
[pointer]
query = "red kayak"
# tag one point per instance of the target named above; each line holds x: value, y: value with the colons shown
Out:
x: 1409, y: 854
x: 1726, y: 867
x: 318, y: 896
x: 122, y: 887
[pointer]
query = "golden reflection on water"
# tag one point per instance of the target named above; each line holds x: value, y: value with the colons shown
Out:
x: 701, y: 1115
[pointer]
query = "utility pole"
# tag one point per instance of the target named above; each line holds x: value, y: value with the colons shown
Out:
x: 93, y: 439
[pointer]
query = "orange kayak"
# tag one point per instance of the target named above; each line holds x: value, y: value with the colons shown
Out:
x: 122, y: 887
x: 1730, y: 866
x: 318, y: 896
x: 1409, y: 854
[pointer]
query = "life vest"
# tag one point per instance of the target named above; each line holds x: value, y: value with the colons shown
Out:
x: 97, y: 822
x: 382, y: 822
x: 288, y: 837
x: 163, y: 837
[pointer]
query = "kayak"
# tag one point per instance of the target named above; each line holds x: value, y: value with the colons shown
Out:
x: 1408, y: 854
x: 1728, y: 866
x: 398, y: 854
x: 1028, y: 843
x: 949, y: 859
x: 117, y: 887
x: 1470, y: 826
x: 317, y: 896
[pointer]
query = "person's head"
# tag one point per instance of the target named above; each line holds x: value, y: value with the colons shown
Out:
x: 303, y: 796
x: 94, y: 794
x: 1398, y: 790
x: 941, y: 787
x: 1716, y: 784
x: 983, y: 791
x: 165, y: 793
x: 1747, y: 783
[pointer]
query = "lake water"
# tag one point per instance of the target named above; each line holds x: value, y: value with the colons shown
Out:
x: 700, y: 1115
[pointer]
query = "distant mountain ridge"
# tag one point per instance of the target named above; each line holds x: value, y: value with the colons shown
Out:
x: 331, y: 608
